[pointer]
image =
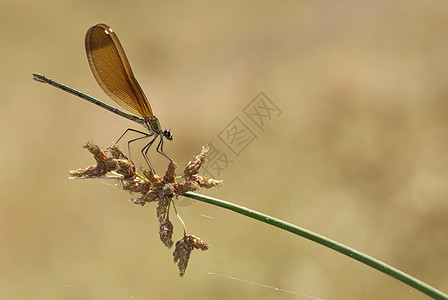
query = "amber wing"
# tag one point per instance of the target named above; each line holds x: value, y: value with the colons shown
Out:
x: 113, y: 72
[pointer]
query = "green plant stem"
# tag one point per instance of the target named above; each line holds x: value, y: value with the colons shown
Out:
x: 178, y: 216
x: 359, y: 256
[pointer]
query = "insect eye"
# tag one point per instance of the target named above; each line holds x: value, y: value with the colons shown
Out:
x: 168, y: 135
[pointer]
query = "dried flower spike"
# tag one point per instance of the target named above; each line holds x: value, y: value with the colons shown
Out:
x: 166, y: 232
x: 154, y: 188
x: 181, y: 254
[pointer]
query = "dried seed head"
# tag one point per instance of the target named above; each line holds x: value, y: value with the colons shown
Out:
x: 168, y: 190
x: 196, y: 242
x: 151, y: 176
x: 105, y: 164
x: 195, y: 164
x: 181, y: 254
x: 136, y: 185
x: 170, y: 173
x: 116, y: 153
x: 186, y: 186
x: 207, y: 182
x: 122, y: 166
x: 99, y: 155
x: 154, y: 188
x: 150, y: 196
x: 162, y: 207
x: 166, y: 232
x: 88, y: 172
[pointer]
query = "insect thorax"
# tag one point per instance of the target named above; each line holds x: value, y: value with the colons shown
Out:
x: 153, y: 124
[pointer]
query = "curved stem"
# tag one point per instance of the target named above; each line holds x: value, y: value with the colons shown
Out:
x: 180, y: 219
x: 341, y: 248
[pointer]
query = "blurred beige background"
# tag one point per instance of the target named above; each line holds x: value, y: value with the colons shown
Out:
x: 359, y: 153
